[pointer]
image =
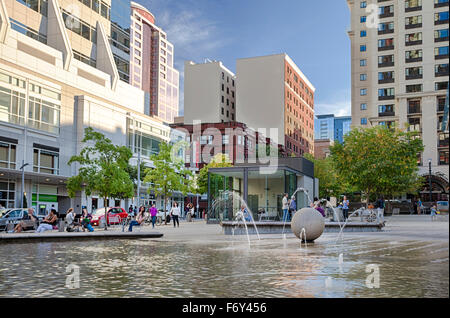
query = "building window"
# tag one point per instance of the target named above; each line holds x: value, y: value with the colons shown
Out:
x: 387, y: 27
x: 363, y: 4
x: 443, y: 157
x: 413, y: 22
x: 386, y: 11
x: 385, y: 44
x: 223, y: 112
x: 441, y: 52
x: 363, y: 77
x: 363, y: 106
x: 223, y: 87
x: 79, y: 27
x: 414, y: 106
x: 413, y: 72
x: 225, y: 139
x: 232, y: 105
x: 386, y: 60
x: 441, y: 17
x: 362, y: 48
x: 441, y: 35
x: 413, y: 38
x: 223, y: 99
x: 386, y: 77
x: 12, y: 106
x: 386, y: 110
x: 362, y: 19
x: 386, y: 93
x: 363, y: 62
x: 416, y: 88
x: 7, y: 193
x: 412, y: 4
x: 37, y: 5
x: 7, y: 155
x: 363, y: 33
x: 45, y: 161
x: 363, y: 92
x: 364, y: 121
x: 441, y: 70
x: 22, y: 28
x: 440, y: 85
x: 413, y: 56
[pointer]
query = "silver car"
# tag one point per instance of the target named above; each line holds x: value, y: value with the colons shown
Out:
x: 14, y: 216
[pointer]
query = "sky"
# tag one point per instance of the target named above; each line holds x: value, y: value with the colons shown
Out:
x: 312, y: 33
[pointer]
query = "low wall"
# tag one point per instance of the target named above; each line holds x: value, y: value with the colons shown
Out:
x: 238, y: 228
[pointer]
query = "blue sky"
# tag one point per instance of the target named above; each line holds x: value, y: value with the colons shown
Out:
x: 312, y: 33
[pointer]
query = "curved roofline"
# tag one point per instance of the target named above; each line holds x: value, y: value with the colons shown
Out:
x: 139, y: 6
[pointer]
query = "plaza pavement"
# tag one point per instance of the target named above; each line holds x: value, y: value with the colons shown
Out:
x: 401, y: 227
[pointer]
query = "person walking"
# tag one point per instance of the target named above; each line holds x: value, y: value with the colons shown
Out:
x: 415, y: 206
x: 345, y: 205
x: 433, y: 213
x: 153, y: 213
x: 285, y: 207
x: 174, y: 214
x: 380, y: 210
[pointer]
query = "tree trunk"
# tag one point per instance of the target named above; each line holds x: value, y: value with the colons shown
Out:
x: 105, y: 202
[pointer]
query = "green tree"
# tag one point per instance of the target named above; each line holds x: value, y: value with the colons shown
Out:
x: 168, y: 175
x: 102, y: 169
x: 220, y: 160
x: 379, y: 160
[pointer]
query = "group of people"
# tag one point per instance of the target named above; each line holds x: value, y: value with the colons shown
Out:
x: 289, y: 206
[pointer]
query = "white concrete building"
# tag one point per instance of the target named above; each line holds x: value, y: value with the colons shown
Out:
x: 209, y: 93
x: 56, y: 80
x: 400, y: 74
x: 272, y: 92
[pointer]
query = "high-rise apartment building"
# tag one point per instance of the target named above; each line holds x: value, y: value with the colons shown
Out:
x: 152, y: 65
x: 209, y: 93
x: 58, y: 76
x: 331, y: 127
x: 400, y: 73
x: 272, y: 92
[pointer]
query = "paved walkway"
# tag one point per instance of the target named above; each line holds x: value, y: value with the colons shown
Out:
x: 403, y: 227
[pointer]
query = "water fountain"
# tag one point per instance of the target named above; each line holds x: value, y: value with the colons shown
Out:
x: 228, y: 196
x: 293, y: 196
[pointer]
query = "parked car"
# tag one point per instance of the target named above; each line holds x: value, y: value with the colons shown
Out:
x: 14, y: 216
x: 115, y: 214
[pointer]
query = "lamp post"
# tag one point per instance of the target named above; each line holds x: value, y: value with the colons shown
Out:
x: 23, y: 181
x: 429, y: 180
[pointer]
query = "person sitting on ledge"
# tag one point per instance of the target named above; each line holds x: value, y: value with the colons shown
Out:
x: 138, y: 221
x: 28, y: 217
x: 48, y: 223
x: 72, y: 226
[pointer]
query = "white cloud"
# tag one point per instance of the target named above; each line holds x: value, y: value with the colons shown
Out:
x: 340, y: 104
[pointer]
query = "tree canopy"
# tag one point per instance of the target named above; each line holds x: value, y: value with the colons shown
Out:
x: 379, y: 160
x: 102, y: 168
x: 220, y: 160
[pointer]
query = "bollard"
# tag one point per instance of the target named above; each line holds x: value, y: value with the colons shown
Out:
x: 61, y: 225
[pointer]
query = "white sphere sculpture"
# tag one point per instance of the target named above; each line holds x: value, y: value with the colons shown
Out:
x: 311, y: 221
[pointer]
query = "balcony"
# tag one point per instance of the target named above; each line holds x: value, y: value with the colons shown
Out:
x: 386, y: 80
x: 386, y: 114
x: 443, y: 72
x: 440, y: 5
x: 411, y: 9
x: 439, y: 22
x: 385, y: 64
x: 386, y: 15
x: 386, y: 48
x: 441, y: 56
x: 413, y: 76
x: 387, y: 31
x: 389, y: 97
x: 413, y: 26
x: 413, y: 60
x: 441, y: 39
x: 410, y: 43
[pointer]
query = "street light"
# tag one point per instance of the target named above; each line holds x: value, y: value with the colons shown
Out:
x: 23, y: 180
x: 429, y: 180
